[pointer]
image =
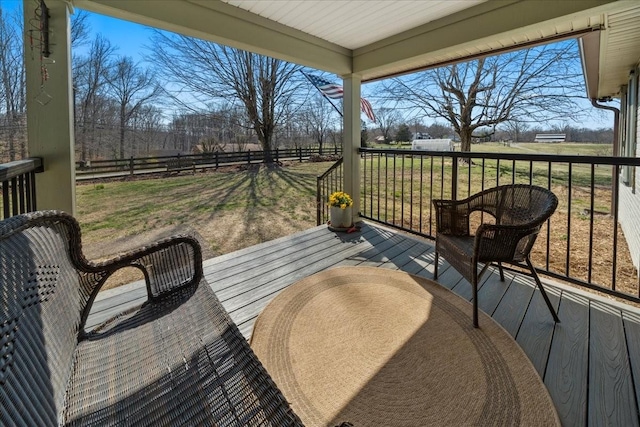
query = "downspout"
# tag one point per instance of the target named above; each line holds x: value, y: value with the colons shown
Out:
x: 616, y: 148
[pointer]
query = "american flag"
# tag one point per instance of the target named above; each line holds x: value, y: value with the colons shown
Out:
x: 367, y: 109
x: 334, y: 91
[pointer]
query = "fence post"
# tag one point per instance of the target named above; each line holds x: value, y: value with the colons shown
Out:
x: 300, y: 154
x: 249, y: 157
x: 179, y: 162
x: 131, y: 166
x: 277, y: 156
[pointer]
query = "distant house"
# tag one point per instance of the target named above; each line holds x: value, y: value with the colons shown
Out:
x: 550, y: 137
x: 421, y: 135
x: 433, y: 145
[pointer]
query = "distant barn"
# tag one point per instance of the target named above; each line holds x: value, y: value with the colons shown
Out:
x: 550, y: 137
x: 432, y: 144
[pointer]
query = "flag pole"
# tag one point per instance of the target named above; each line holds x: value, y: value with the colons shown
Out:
x: 322, y: 93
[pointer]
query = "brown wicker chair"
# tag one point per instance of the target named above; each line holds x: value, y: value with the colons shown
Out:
x: 176, y: 360
x: 519, y: 211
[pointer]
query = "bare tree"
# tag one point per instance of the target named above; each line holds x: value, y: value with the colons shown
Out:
x: 320, y: 117
x: 90, y: 80
x: 12, y: 85
x: 146, y: 124
x: 540, y: 84
x: 79, y: 28
x: 438, y: 130
x: 131, y: 87
x: 387, y: 119
x: 206, y: 71
x: 515, y: 128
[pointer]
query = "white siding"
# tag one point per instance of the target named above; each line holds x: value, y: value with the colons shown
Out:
x: 629, y: 203
x: 630, y: 220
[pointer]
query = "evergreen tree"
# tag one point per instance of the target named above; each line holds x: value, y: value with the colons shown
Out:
x: 403, y: 134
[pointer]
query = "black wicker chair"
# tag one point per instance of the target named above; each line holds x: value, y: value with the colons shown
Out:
x: 176, y: 360
x: 519, y: 211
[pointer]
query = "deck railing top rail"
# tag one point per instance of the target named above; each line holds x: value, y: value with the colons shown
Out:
x: 605, y: 160
x: 18, y: 183
x: 20, y: 167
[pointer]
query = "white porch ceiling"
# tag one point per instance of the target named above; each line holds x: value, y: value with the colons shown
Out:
x: 375, y: 38
x: 353, y: 24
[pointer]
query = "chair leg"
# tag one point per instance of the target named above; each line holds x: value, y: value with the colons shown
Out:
x: 435, y: 268
x: 542, y: 291
x: 501, y: 272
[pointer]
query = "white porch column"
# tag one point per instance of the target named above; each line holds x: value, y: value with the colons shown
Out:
x: 50, y: 105
x: 351, y: 139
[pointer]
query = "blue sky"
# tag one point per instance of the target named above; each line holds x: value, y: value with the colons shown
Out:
x: 130, y: 39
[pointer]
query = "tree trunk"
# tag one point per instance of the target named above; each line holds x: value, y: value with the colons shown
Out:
x: 465, y: 139
x: 122, y: 125
x: 266, y: 149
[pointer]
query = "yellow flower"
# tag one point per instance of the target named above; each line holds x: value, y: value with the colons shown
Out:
x: 340, y: 199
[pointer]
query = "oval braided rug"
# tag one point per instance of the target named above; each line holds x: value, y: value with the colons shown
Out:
x: 376, y: 347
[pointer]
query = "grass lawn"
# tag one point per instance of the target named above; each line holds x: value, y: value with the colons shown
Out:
x: 230, y: 208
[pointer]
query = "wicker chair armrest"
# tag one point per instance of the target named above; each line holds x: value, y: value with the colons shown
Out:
x: 503, y: 242
x: 168, y: 264
x: 452, y: 217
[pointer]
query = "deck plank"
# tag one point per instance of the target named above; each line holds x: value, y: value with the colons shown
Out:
x: 632, y: 333
x: 514, y: 304
x: 536, y: 331
x: 251, y: 283
x: 269, y: 246
x: 567, y: 368
x: 492, y: 290
x: 611, y: 394
x: 261, y: 296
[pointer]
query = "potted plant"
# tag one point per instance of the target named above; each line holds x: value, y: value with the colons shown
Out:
x: 340, y: 216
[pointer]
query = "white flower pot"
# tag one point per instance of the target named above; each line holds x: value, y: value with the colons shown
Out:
x: 340, y: 218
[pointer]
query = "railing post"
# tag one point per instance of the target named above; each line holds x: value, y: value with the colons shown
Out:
x: 454, y: 178
x: 131, y: 166
x: 318, y: 201
x: 249, y: 157
x: 277, y: 156
x: 300, y: 154
x: 216, y: 160
x: 179, y: 161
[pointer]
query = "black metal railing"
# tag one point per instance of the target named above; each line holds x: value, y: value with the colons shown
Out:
x: 19, y: 186
x: 582, y: 243
x: 327, y: 183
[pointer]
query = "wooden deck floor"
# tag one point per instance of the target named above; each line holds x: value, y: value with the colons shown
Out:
x: 588, y: 361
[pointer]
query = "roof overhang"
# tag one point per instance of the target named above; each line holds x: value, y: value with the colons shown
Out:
x: 484, y: 28
x: 609, y: 55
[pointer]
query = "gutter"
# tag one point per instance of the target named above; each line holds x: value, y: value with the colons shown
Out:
x: 616, y: 146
